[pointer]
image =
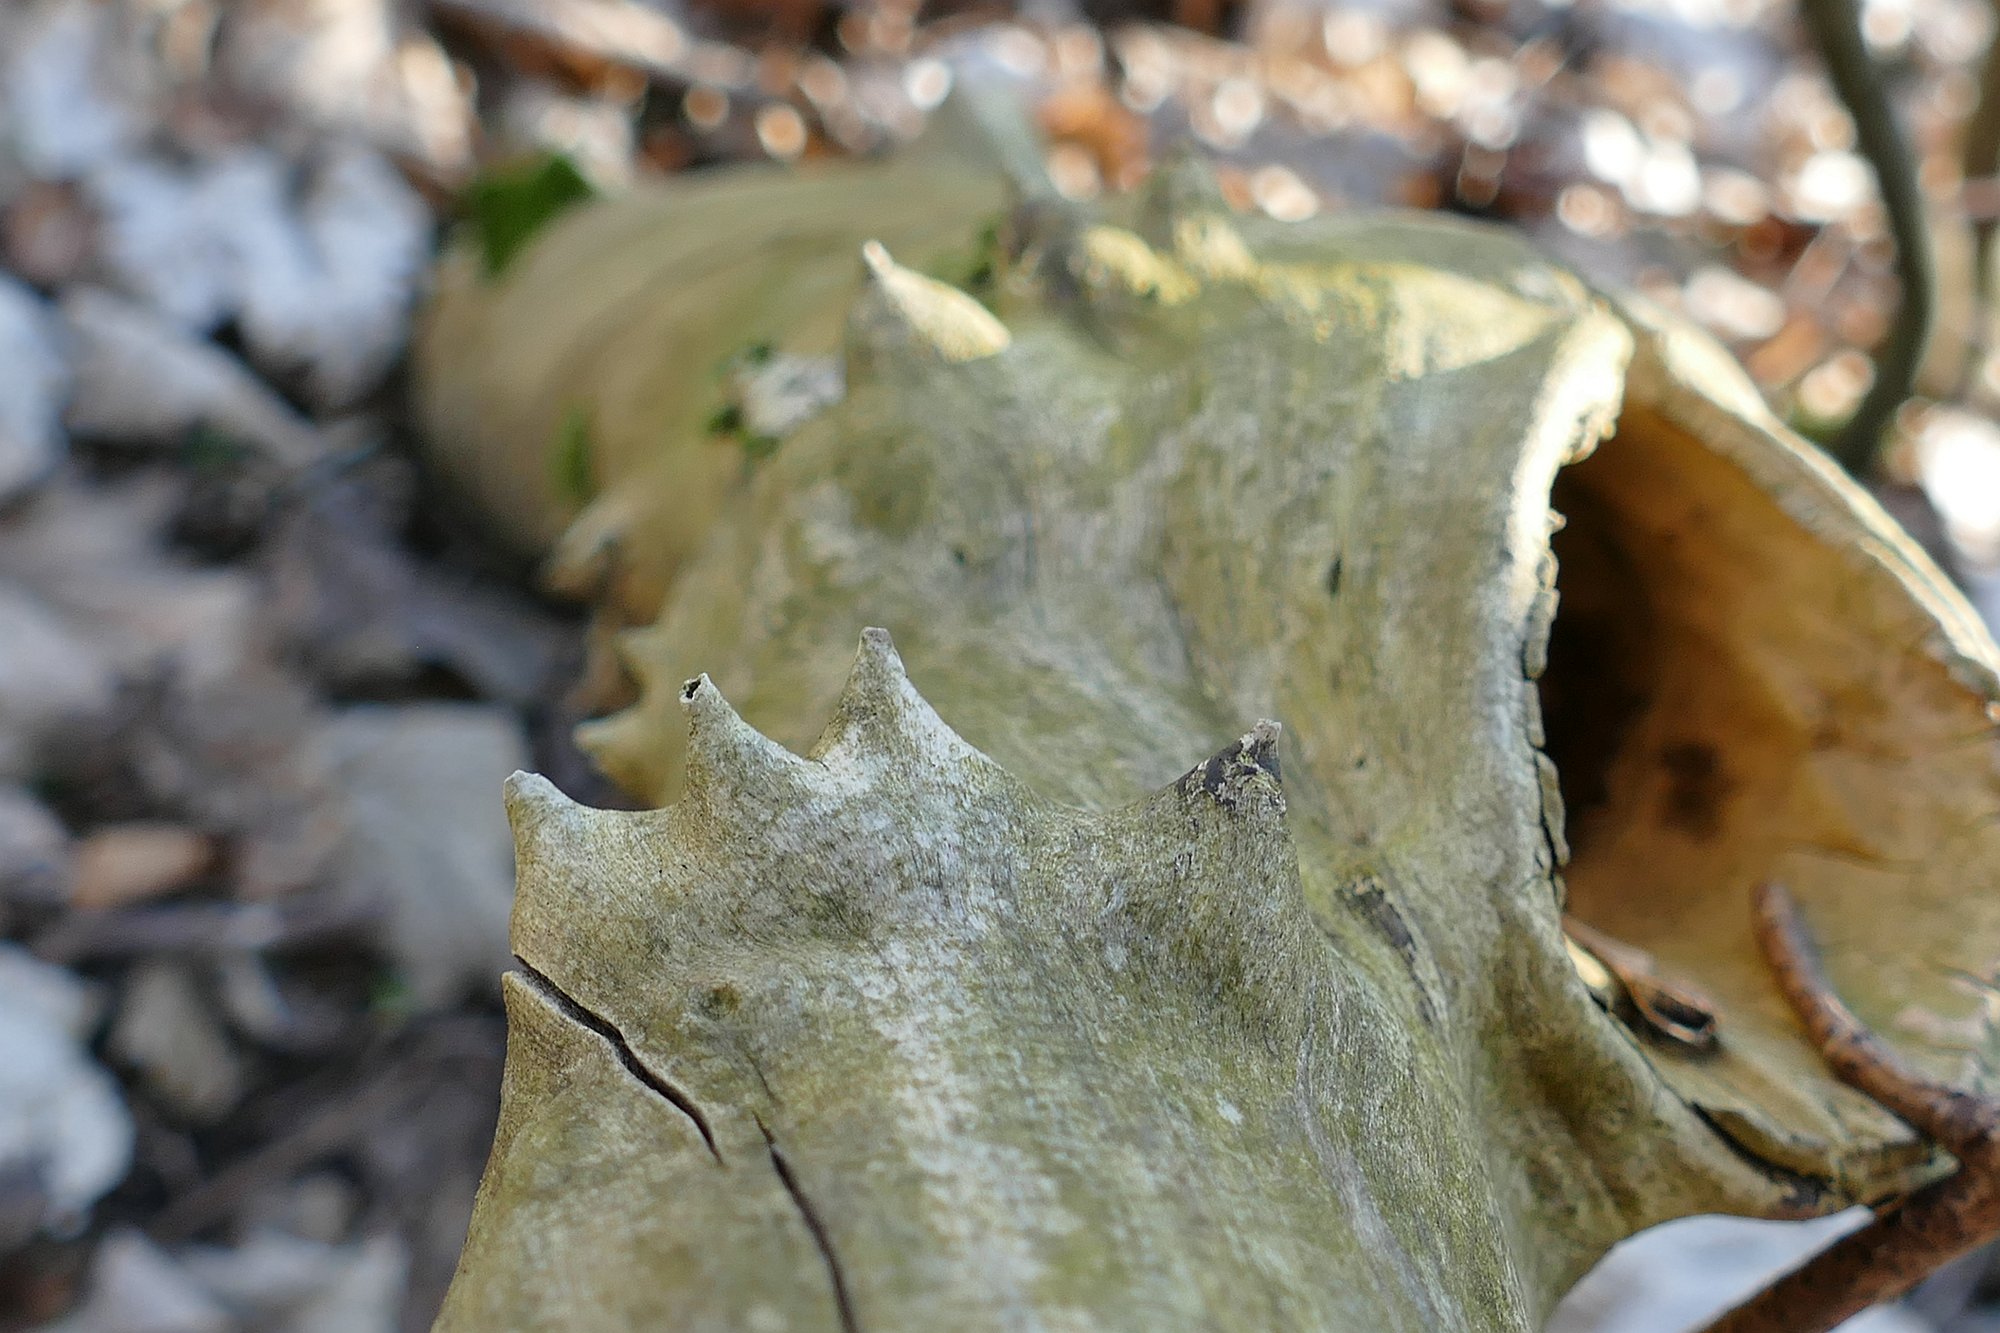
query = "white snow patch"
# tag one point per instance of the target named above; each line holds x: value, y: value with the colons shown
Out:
x: 1681, y: 1275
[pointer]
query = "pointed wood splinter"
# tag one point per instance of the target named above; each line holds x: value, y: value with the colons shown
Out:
x: 1913, y: 1236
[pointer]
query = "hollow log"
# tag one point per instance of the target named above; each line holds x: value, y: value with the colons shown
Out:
x: 1158, y: 926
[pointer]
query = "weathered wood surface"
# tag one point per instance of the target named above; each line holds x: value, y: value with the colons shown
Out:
x: 981, y: 1014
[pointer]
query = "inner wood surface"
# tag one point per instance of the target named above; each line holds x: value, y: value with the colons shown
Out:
x: 1731, y: 699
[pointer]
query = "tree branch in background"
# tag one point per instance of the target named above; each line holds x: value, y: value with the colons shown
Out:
x: 1835, y: 26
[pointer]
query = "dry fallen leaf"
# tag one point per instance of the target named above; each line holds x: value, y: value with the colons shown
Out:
x: 96, y: 558
x: 74, y: 96
x: 1675, y: 1277
x: 136, y: 1287
x: 50, y: 674
x: 297, y: 1285
x: 130, y: 863
x: 363, y: 612
x: 355, y: 68
x: 235, y: 758
x: 324, y: 283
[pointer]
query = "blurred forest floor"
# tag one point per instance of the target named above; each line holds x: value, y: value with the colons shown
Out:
x: 259, y: 686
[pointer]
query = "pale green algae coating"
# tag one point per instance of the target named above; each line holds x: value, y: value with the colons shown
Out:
x: 980, y: 1018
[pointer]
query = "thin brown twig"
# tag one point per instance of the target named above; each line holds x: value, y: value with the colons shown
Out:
x: 1959, y: 1120
x: 1835, y: 26
x: 1912, y: 1237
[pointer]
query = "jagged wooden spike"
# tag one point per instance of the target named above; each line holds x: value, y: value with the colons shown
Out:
x: 501, y: 373
x: 1116, y: 270
x: 586, y: 559
x: 824, y: 998
x: 903, y: 314
x: 532, y: 798
x: 546, y: 822
x: 1247, y: 771
x: 881, y: 717
x: 729, y: 760
x: 1230, y: 914
x: 559, y: 912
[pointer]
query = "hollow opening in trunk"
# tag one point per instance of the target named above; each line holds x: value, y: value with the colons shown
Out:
x: 1644, y: 700
x: 1729, y: 697
x: 1745, y: 683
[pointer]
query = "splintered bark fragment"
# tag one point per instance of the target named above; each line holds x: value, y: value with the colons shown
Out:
x: 1911, y: 1237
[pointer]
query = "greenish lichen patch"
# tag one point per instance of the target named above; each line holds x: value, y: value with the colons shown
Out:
x: 570, y: 457
x: 509, y: 205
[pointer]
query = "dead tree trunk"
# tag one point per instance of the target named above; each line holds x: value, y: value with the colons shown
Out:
x: 1051, y: 987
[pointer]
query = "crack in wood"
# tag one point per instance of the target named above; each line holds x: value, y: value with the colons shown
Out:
x: 583, y: 1017
x: 842, y: 1302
